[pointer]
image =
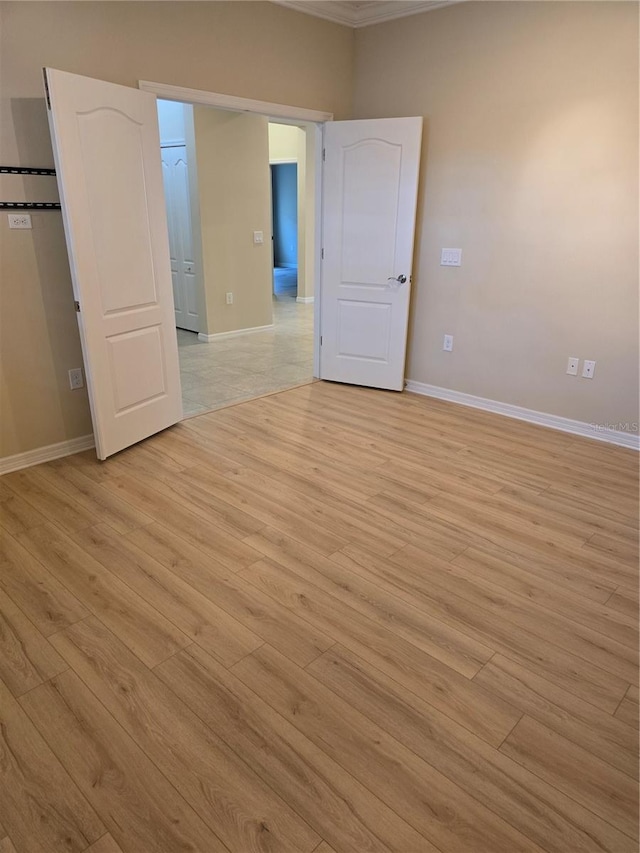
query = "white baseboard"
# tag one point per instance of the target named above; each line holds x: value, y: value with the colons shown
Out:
x: 595, y: 431
x: 207, y: 339
x: 45, y: 454
x: 622, y: 439
x: 306, y: 300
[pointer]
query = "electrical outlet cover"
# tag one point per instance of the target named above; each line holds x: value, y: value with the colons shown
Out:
x: 76, y: 379
x: 572, y: 366
x: 19, y: 220
x: 588, y: 369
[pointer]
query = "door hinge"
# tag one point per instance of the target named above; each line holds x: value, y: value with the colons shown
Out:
x: 77, y: 305
x: 322, y: 254
x: 46, y: 88
x: 324, y: 154
x: 320, y: 340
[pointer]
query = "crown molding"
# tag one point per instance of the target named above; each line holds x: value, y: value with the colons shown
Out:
x: 363, y: 14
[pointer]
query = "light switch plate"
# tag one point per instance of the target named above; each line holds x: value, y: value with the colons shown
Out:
x: 258, y: 237
x: 450, y: 257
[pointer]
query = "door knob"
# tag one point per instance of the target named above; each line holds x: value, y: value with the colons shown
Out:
x: 399, y: 278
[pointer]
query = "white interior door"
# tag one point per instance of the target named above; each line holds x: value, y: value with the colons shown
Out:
x: 370, y: 189
x: 184, y: 276
x: 107, y: 156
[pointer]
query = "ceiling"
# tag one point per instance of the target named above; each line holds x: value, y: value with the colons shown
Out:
x: 363, y: 13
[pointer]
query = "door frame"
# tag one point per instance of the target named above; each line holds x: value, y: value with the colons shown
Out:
x: 313, y: 121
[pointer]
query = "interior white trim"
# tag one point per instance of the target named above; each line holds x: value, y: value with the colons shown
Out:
x: 623, y: 439
x: 306, y: 300
x: 207, y: 339
x: 280, y: 161
x: 363, y: 14
x: 231, y: 102
x: 46, y: 453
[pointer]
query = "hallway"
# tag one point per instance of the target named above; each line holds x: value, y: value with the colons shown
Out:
x: 240, y: 368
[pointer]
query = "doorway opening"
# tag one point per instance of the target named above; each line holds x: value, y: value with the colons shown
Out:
x: 284, y: 203
x: 367, y: 216
x: 241, y: 252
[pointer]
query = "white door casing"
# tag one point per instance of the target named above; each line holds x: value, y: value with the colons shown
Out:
x: 370, y: 188
x: 107, y: 156
x: 184, y: 276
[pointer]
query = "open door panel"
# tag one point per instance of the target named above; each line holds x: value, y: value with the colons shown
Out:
x: 370, y: 190
x: 107, y: 155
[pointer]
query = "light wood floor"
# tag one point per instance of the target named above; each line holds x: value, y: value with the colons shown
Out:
x: 331, y: 620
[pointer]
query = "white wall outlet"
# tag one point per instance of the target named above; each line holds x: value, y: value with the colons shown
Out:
x: 450, y: 257
x: 19, y: 220
x: 76, y: 379
x: 588, y: 369
x: 229, y: 298
x: 447, y: 345
x: 258, y: 237
x: 572, y: 366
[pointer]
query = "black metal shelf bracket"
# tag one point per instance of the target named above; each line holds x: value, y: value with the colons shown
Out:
x: 25, y: 170
x: 29, y: 205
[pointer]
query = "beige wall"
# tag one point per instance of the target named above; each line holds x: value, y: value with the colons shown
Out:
x: 283, y: 143
x: 530, y: 165
x: 232, y: 156
x: 306, y: 155
x: 253, y: 50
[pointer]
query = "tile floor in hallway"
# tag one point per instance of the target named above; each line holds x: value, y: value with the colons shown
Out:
x: 240, y: 368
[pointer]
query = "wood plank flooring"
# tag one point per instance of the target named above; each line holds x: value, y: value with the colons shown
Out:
x: 333, y: 620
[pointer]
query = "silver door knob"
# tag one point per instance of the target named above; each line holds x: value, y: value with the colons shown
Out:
x: 399, y: 278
